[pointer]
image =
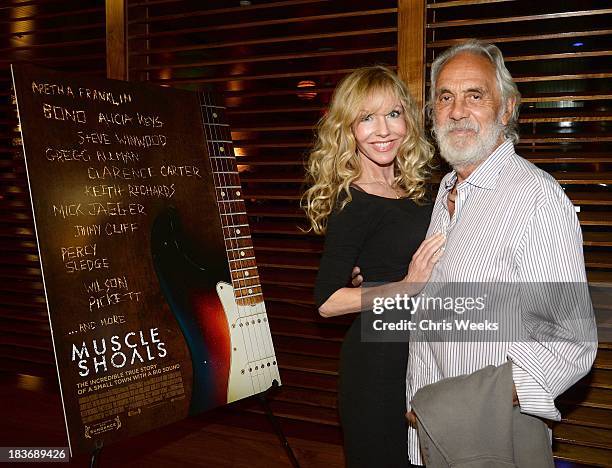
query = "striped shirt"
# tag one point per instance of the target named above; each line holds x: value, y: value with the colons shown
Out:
x: 512, y: 224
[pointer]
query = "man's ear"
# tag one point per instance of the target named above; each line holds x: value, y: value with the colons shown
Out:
x: 510, y: 103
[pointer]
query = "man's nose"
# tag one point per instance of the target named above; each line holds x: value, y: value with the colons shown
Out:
x: 382, y: 126
x: 458, y: 109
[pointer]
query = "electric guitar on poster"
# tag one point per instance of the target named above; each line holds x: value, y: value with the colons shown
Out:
x: 225, y: 325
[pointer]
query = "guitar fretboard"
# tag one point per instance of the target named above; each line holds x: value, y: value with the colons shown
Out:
x: 234, y: 220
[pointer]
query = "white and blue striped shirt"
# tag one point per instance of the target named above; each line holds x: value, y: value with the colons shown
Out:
x: 512, y: 224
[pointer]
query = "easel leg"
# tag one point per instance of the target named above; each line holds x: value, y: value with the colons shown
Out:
x: 263, y: 397
x: 95, y: 455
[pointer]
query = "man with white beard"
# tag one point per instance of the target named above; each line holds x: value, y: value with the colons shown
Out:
x: 506, y: 221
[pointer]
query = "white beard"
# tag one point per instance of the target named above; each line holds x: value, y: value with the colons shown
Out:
x: 471, y: 149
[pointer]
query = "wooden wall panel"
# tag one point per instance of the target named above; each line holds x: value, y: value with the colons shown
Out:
x: 116, y: 41
x: 65, y: 35
x: 411, y: 47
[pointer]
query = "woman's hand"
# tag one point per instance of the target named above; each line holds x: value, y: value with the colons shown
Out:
x: 421, y: 265
x: 425, y: 258
x: 356, y: 278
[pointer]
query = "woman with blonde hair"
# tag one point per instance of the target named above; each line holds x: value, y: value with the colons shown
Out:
x: 368, y: 173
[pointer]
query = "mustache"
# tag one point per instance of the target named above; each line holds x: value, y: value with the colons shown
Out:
x: 461, y: 126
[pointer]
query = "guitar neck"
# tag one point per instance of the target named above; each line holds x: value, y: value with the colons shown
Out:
x: 232, y: 211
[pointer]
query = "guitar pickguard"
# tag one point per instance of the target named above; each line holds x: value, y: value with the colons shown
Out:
x: 253, y: 364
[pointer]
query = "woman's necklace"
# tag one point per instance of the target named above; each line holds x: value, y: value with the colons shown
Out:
x: 386, y: 185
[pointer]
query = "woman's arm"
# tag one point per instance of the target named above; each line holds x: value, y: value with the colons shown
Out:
x: 349, y: 300
x: 346, y: 235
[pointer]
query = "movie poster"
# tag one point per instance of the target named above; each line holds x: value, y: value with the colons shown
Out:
x: 152, y: 288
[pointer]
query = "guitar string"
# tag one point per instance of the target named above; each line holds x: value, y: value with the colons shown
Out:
x: 253, y: 362
x: 224, y: 222
x: 232, y: 220
x: 255, y: 305
x: 262, y: 334
x: 258, y: 306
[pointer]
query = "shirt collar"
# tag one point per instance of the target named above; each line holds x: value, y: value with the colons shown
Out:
x: 486, y: 174
x: 450, y: 180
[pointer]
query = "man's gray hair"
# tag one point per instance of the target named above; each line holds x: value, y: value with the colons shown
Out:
x: 507, y: 86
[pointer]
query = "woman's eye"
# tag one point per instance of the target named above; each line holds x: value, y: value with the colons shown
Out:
x: 366, y: 118
x: 395, y: 114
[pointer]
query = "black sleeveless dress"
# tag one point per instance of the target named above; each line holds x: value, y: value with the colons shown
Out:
x: 379, y: 235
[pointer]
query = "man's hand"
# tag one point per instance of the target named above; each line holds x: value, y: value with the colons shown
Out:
x: 411, y: 418
x: 515, y: 400
x: 356, y: 278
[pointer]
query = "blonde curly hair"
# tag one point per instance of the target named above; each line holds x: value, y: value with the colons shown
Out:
x: 334, y: 164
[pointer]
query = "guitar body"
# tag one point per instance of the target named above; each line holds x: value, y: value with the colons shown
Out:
x: 190, y: 291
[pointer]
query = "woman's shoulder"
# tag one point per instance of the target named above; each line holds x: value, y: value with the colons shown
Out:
x: 360, y: 207
x: 358, y: 197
